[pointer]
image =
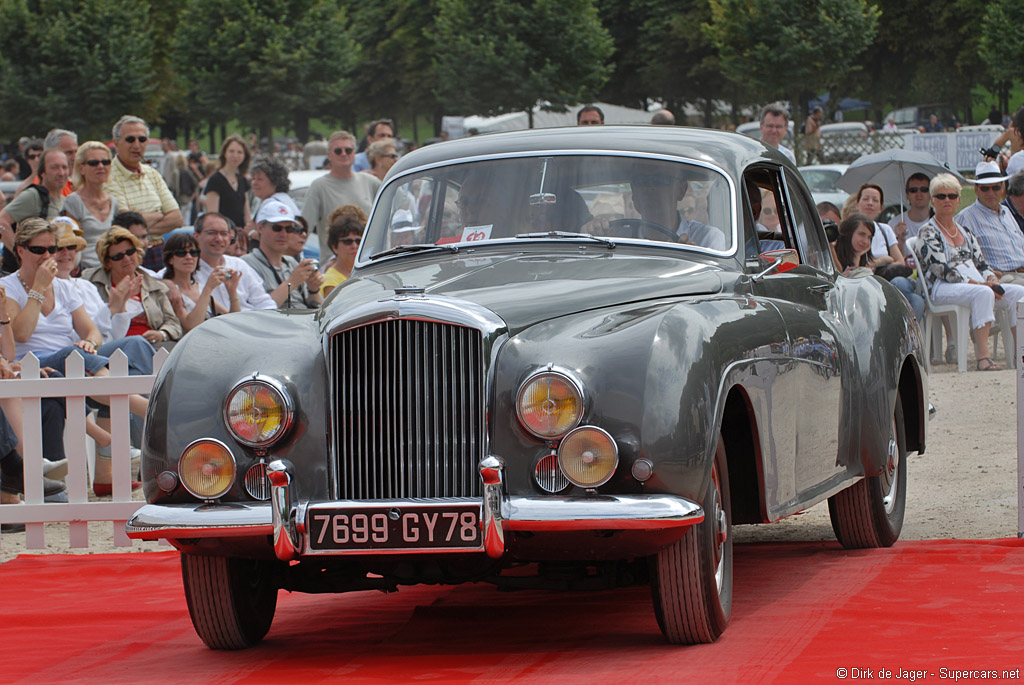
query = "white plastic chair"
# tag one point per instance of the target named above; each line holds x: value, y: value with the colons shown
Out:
x: 1002, y: 331
x: 931, y: 327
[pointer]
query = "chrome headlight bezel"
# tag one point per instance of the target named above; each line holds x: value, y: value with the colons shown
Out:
x: 284, y: 399
x: 571, y: 381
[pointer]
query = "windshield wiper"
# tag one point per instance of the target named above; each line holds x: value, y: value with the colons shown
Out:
x: 568, y: 234
x: 415, y: 247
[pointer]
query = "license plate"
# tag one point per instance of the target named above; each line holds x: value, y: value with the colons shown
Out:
x: 396, y: 528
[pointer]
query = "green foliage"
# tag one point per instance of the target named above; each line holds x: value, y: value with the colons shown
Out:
x: 264, y: 61
x: 781, y: 47
x: 495, y: 57
x: 74, y: 64
x: 1001, y: 42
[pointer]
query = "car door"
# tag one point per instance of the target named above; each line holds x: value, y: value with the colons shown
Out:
x: 811, y: 389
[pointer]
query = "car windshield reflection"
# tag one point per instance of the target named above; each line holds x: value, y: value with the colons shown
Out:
x: 555, y: 197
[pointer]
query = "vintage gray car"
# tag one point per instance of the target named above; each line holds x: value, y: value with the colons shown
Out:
x: 573, y: 354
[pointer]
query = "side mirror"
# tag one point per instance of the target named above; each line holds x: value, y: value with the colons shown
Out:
x: 777, y: 260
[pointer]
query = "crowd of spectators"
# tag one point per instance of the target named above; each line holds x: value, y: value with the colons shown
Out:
x: 96, y: 259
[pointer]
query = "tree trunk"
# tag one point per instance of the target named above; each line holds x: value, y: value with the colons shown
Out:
x: 301, y: 124
x: 213, y: 141
x: 529, y: 117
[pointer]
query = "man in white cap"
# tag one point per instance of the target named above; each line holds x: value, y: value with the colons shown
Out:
x: 993, y: 225
x: 291, y: 284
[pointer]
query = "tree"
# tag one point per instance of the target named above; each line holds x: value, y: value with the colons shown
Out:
x: 790, y: 48
x: 680, y: 64
x: 76, y: 64
x: 265, y: 62
x: 396, y: 74
x: 496, y: 57
x: 1002, y: 46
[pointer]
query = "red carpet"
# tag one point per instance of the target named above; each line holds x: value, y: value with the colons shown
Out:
x: 802, y: 611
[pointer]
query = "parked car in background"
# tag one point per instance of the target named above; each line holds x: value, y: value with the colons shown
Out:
x: 844, y: 142
x: 821, y: 181
x: 562, y: 360
x: 300, y: 181
x: 917, y: 116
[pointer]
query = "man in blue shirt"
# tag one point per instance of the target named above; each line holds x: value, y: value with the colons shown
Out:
x: 993, y: 225
x: 382, y: 129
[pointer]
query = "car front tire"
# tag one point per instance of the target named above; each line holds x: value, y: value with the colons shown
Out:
x: 231, y: 601
x: 691, y: 579
x: 870, y: 512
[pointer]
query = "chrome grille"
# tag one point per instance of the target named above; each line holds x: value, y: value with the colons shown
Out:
x: 409, y: 410
x: 256, y: 482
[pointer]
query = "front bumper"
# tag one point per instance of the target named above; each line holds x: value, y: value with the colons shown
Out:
x: 285, y: 519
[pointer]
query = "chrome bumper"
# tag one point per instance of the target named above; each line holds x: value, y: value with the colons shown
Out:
x: 284, y: 518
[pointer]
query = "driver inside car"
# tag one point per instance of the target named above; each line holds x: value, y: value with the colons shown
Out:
x: 656, y: 196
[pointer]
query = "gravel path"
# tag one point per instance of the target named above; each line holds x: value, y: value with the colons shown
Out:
x: 964, y: 486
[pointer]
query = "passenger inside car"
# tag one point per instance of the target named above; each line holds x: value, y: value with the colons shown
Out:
x: 657, y: 193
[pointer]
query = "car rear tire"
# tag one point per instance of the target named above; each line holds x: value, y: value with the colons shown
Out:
x: 691, y: 579
x: 231, y: 601
x: 870, y: 512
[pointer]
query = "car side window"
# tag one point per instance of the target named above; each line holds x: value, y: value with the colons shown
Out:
x: 810, y: 236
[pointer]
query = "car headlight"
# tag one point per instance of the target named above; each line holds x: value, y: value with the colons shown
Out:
x: 588, y: 456
x: 550, y: 403
x: 207, y: 468
x: 258, y: 411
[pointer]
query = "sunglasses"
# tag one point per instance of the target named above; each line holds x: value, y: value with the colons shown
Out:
x: 350, y: 241
x: 132, y: 139
x: 917, y: 189
x: 39, y: 249
x: 988, y: 189
x: 946, y: 196
x: 67, y: 248
x: 185, y: 253
x: 31, y: 157
x: 290, y: 228
x: 121, y: 255
x: 392, y: 155
x: 97, y: 162
x: 344, y: 150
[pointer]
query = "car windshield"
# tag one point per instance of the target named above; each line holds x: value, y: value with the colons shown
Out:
x: 615, y: 197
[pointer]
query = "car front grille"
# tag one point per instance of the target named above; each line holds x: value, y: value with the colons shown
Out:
x: 409, y: 418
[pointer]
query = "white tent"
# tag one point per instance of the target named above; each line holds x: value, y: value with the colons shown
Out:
x: 515, y: 121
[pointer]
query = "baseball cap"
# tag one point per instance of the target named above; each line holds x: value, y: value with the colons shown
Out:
x: 275, y: 212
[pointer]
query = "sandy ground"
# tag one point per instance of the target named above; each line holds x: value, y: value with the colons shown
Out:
x: 964, y: 486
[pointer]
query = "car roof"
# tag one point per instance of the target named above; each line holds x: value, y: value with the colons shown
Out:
x: 731, y: 152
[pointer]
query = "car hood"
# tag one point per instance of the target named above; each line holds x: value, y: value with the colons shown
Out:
x: 524, y: 289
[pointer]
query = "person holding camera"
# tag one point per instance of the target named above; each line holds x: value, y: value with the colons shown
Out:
x: 291, y: 284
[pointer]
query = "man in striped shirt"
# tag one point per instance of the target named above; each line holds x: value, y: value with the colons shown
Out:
x: 136, y: 185
x: 990, y: 221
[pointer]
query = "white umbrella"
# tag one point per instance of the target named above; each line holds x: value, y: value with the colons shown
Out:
x: 890, y: 169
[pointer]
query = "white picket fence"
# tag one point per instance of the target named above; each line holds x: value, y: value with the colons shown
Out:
x: 78, y: 511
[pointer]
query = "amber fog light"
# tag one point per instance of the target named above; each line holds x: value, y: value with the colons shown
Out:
x: 588, y: 456
x: 207, y: 468
x: 258, y: 411
x: 550, y: 404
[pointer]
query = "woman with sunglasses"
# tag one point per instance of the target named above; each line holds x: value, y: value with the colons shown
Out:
x: 46, y: 313
x: 91, y: 205
x: 382, y: 156
x: 151, y: 313
x: 192, y: 304
x: 227, y: 188
x: 957, y: 272
x: 346, y: 232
